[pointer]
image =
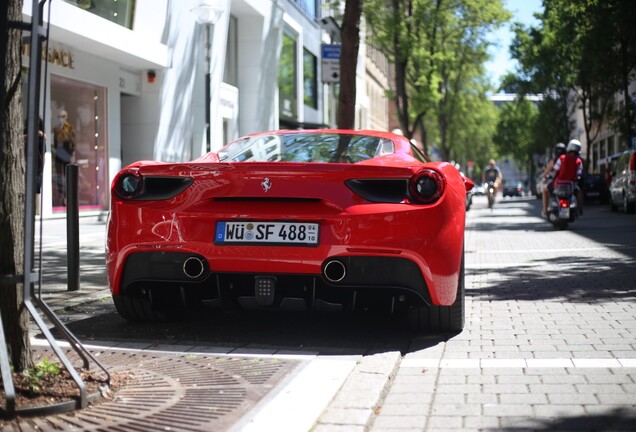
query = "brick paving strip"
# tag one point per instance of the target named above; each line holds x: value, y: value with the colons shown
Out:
x: 549, y: 341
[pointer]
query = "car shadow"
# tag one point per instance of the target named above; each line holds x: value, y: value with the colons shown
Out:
x: 248, y: 331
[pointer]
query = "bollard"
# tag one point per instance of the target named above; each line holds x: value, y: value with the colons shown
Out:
x: 72, y: 226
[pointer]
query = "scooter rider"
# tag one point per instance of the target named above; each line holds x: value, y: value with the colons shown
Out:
x: 569, y: 166
x: 559, y: 150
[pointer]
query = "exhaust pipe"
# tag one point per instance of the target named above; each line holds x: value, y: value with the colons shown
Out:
x: 334, y: 271
x: 193, y: 267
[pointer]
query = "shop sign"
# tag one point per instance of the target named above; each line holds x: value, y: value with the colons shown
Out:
x: 331, y: 63
x: 58, y: 57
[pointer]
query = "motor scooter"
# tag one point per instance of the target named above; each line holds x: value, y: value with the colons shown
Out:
x: 562, y: 206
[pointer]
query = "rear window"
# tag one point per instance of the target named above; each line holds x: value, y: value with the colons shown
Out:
x: 300, y: 147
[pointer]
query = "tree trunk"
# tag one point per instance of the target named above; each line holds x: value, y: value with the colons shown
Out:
x: 348, y: 64
x: 15, y: 318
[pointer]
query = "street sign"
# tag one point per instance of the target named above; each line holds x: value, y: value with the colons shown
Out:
x: 331, y: 64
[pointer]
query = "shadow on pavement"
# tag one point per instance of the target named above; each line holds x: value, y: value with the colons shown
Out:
x: 576, y: 279
x: 327, y: 334
x: 618, y: 419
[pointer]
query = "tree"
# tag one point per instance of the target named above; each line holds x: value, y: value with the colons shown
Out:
x: 12, y: 190
x: 405, y: 31
x: 438, y: 49
x: 613, y: 55
x: 574, y: 60
x: 514, y: 135
x: 471, y: 130
x: 462, y: 40
x: 545, y: 68
x: 350, y: 36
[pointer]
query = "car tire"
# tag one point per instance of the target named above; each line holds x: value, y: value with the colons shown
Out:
x: 442, y: 318
x: 613, y: 207
x: 627, y: 206
x: 156, y: 307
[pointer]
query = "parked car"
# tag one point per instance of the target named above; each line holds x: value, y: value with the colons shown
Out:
x: 479, y: 189
x: 623, y: 184
x: 513, y: 189
x: 315, y: 220
x: 595, y: 188
x: 469, y: 194
x: 469, y: 200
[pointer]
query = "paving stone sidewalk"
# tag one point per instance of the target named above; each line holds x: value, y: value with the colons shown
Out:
x: 549, y: 343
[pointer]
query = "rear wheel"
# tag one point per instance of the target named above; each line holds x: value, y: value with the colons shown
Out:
x: 151, y: 306
x: 442, y: 318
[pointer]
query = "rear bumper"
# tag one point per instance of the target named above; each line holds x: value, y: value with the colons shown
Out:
x: 339, y: 281
x: 417, y: 249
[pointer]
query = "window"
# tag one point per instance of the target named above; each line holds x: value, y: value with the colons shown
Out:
x: 287, y: 89
x: 310, y: 83
x: 308, y: 147
x: 118, y: 11
x: 309, y: 7
x: 230, y: 74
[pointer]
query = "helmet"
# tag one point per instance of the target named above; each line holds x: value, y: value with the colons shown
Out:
x: 574, y: 145
x: 559, y: 149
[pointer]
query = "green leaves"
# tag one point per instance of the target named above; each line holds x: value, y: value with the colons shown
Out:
x: 41, y: 371
x: 438, y: 48
x: 581, y: 55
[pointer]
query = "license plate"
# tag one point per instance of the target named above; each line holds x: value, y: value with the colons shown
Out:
x: 564, y: 212
x: 271, y: 233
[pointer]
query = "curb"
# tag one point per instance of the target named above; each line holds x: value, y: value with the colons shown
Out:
x: 355, y: 406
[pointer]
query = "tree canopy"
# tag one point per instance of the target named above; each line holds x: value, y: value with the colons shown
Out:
x: 438, y: 49
x: 574, y: 59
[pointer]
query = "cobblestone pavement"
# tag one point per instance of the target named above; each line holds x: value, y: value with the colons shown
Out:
x: 550, y: 337
x: 549, y: 342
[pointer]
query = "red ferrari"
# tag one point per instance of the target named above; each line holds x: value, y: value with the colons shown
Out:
x: 316, y: 220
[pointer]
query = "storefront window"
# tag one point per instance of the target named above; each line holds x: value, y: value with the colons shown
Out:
x: 310, y: 80
x: 287, y: 79
x: 78, y: 120
x: 117, y: 11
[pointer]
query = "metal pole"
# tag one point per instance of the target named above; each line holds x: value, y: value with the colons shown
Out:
x: 72, y: 226
x: 208, y: 47
x: 334, y: 106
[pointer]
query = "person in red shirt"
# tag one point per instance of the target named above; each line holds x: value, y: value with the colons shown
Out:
x: 568, y: 167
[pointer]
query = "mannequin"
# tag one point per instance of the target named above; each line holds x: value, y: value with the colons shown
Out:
x: 64, y: 152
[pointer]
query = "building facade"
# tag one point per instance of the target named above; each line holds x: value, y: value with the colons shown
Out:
x: 608, y: 144
x: 126, y: 81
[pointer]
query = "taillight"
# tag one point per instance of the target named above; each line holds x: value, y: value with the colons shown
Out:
x: 427, y: 186
x: 129, y: 184
x: 632, y: 162
x: 564, y: 203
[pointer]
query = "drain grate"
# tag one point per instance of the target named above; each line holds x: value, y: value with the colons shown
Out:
x: 174, y: 392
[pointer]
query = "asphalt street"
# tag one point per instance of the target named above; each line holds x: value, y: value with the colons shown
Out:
x: 549, y: 342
